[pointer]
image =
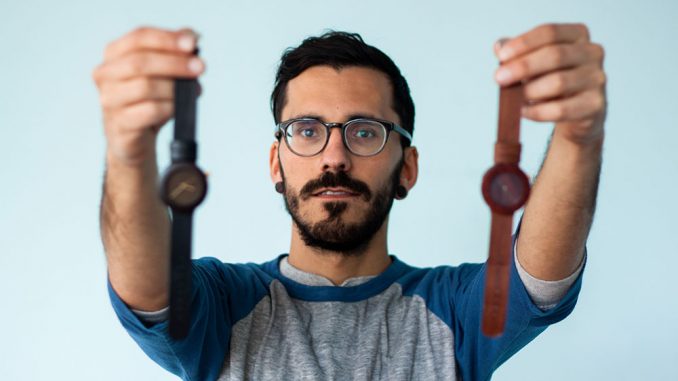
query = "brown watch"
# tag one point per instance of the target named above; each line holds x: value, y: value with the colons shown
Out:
x: 505, y: 189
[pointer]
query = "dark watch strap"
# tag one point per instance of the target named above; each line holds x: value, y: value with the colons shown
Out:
x: 180, y: 275
x: 184, y: 149
x: 185, y: 101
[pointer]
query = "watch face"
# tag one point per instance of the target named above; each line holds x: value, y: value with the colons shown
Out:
x: 505, y: 188
x: 183, y: 186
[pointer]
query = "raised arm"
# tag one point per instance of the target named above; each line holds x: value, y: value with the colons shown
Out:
x: 564, y: 83
x: 135, y: 83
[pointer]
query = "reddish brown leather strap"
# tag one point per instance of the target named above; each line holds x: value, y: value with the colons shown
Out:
x: 497, y: 275
x: 507, y: 148
x: 507, y: 151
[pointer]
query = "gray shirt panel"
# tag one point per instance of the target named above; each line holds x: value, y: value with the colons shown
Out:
x: 386, y: 337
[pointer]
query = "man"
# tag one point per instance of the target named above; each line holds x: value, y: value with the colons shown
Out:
x: 338, y: 307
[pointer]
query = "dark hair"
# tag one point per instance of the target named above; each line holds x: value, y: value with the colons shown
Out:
x: 339, y: 50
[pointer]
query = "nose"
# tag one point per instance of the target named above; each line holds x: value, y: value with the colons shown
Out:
x: 335, y: 156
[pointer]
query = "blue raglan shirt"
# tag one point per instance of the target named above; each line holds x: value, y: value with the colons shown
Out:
x: 249, y: 321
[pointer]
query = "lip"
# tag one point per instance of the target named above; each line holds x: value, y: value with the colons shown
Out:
x: 341, y: 193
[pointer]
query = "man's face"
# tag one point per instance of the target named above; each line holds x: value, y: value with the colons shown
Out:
x: 338, y: 200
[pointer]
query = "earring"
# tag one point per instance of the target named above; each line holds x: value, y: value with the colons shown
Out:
x: 401, y: 192
x: 280, y: 187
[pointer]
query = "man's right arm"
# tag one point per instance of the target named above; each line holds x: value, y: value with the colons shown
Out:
x: 135, y: 83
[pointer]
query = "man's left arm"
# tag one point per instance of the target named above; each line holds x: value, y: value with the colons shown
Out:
x: 564, y: 82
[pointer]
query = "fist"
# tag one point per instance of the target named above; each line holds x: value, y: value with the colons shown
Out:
x: 563, y: 78
x: 136, y: 88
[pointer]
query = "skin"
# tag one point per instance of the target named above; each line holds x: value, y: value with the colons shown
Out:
x: 136, y: 93
x: 335, y: 96
x: 564, y: 81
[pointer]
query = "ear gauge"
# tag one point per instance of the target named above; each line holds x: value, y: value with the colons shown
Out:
x: 401, y: 192
x: 280, y: 187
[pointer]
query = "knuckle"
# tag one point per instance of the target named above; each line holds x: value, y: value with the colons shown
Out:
x: 104, y: 100
x: 144, y: 87
x: 536, y: 113
x: 560, y: 83
x: 598, y: 51
x: 549, y: 31
x: 584, y: 30
x: 559, y: 54
x: 108, y: 51
x: 598, y: 101
x: 559, y: 111
x: 96, y: 75
x: 523, y: 67
x: 136, y: 63
x: 152, y: 110
x: 140, y: 31
x: 601, y: 78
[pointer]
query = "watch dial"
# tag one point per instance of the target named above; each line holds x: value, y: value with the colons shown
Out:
x: 185, y: 187
x: 507, y: 189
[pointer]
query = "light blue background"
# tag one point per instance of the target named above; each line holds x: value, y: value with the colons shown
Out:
x: 55, y: 318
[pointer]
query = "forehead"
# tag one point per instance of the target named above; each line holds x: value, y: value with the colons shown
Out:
x: 335, y: 94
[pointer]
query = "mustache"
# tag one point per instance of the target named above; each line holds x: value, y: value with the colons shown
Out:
x: 335, y: 180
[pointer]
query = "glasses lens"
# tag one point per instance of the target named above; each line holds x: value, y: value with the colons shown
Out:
x: 306, y: 137
x: 365, y: 137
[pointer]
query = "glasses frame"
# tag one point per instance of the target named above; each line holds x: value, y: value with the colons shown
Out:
x: 281, y: 129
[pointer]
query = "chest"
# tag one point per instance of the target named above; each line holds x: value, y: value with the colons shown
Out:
x: 388, y: 336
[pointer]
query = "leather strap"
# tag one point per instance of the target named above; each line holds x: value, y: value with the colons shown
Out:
x: 497, y: 275
x: 507, y: 147
x: 183, y: 150
x: 185, y: 100
x: 180, y: 275
x: 507, y: 151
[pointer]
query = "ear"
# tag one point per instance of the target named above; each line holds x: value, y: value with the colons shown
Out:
x: 274, y: 163
x: 410, y: 171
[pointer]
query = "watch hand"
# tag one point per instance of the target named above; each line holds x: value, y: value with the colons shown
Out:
x: 180, y: 189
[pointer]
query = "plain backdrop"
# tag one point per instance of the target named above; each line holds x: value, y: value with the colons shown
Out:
x: 55, y: 319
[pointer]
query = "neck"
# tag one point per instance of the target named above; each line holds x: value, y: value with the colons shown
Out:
x: 371, y: 259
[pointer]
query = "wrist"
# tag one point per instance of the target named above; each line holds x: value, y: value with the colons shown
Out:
x: 584, y: 148
x: 143, y: 167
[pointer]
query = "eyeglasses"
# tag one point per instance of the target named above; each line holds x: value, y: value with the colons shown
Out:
x: 362, y: 137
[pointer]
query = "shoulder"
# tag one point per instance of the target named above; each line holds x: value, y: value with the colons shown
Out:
x: 445, y: 278
x: 215, y: 270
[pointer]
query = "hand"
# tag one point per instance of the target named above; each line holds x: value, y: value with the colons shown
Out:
x: 136, y: 88
x: 563, y: 78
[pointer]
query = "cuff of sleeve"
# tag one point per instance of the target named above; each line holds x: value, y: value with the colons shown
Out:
x: 130, y: 318
x: 152, y: 317
x: 544, y: 293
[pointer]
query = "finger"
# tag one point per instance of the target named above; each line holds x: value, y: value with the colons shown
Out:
x: 542, y: 35
x: 149, y: 64
x: 580, y: 106
x: 115, y: 95
x: 146, y: 38
x: 144, y: 115
x: 564, y: 83
x: 547, y: 59
x: 497, y: 45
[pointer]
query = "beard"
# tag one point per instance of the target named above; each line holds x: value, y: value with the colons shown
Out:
x: 333, y: 233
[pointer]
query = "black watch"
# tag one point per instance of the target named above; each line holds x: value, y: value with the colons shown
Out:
x: 183, y: 187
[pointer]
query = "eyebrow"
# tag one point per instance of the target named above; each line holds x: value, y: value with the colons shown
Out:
x: 351, y: 117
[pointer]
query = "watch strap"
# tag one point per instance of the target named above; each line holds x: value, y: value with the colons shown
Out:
x: 506, y: 151
x: 185, y: 105
x: 497, y: 273
x: 507, y: 147
x: 180, y: 274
